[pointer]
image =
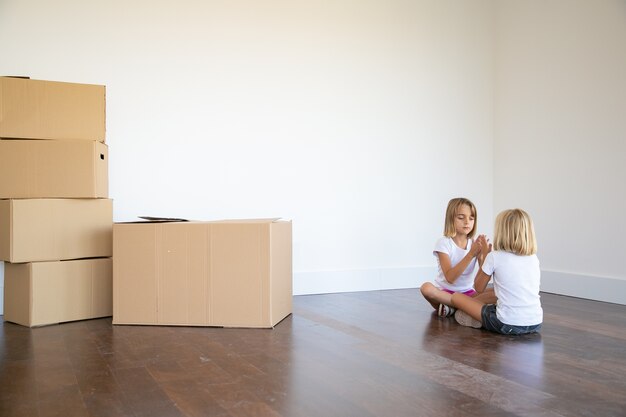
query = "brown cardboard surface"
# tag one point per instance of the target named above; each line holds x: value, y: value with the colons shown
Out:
x: 235, y: 273
x: 281, y: 270
x: 33, y: 230
x: 53, y: 169
x: 36, y: 109
x: 135, y: 274
x: 40, y: 293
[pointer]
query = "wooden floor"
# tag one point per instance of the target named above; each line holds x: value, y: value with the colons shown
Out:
x: 380, y: 353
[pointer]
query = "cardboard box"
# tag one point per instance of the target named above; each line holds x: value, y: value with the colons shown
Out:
x: 35, y: 109
x: 1, y: 288
x: 40, y: 293
x: 53, y: 169
x: 227, y: 273
x: 55, y: 229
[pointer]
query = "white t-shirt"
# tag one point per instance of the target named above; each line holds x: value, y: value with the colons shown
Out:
x: 516, y: 283
x: 465, y: 281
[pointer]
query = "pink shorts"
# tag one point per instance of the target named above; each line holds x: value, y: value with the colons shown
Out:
x: 469, y: 293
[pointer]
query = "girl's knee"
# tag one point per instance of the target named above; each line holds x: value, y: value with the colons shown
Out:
x: 427, y: 289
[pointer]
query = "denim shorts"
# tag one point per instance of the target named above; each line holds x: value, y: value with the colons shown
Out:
x: 493, y: 324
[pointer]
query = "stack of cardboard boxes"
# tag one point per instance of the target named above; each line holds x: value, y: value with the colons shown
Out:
x: 55, y: 216
x: 57, y: 235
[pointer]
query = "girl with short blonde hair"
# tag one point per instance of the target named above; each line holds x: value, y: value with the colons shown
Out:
x: 514, y: 267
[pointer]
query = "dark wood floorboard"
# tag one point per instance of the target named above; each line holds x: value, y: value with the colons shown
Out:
x: 366, y: 354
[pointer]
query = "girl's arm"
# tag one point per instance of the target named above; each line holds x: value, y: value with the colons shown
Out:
x: 452, y: 273
x: 481, y: 280
x: 485, y: 248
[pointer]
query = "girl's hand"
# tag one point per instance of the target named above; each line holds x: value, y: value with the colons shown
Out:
x: 477, y: 246
x: 486, y: 247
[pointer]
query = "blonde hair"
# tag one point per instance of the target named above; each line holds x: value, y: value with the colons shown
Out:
x: 515, y: 233
x: 453, y: 207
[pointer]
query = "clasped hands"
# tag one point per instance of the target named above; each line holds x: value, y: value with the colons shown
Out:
x: 481, y: 247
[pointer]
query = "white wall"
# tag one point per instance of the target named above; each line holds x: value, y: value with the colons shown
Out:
x: 340, y: 116
x: 561, y: 137
x: 358, y: 119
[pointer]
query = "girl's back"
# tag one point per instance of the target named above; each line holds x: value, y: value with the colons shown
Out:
x: 516, y: 280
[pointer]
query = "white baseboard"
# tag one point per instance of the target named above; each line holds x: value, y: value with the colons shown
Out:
x: 610, y: 290
x: 323, y: 282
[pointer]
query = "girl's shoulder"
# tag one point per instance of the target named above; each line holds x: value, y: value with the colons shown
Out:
x: 444, y: 241
x: 444, y: 244
x: 502, y: 254
x: 511, y: 255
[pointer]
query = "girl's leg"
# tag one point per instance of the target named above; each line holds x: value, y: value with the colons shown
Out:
x: 487, y: 297
x: 470, y: 305
x: 435, y: 296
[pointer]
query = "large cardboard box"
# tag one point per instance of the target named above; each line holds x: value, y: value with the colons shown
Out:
x: 53, y: 169
x: 226, y: 273
x: 40, y: 293
x: 55, y: 229
x: 35, y: 109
